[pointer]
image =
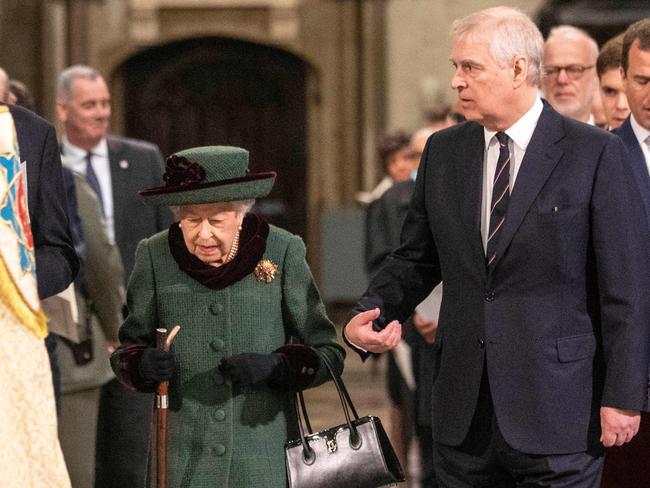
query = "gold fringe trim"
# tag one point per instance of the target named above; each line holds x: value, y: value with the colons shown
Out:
x: 34, y: 320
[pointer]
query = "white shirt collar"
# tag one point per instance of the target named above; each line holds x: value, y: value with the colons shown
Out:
x: 521, y: 131
x: 75, y: 152
x: 640, y: 132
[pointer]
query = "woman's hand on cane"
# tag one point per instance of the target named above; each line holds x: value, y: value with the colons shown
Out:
x: 156, y: 365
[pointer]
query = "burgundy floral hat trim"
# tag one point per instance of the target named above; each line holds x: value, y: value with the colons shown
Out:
x: 180, y: 171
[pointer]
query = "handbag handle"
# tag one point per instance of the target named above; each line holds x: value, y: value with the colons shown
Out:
x: 346, y: 402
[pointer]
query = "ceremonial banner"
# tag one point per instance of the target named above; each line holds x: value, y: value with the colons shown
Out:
x: 17, y: 263
x: 31, y: 454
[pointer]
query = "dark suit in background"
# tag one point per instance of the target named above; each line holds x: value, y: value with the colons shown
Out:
x: 385, y: 218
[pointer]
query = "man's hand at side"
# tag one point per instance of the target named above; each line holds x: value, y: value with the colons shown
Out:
x: 426, y: 329
x: 359, y: 332
x: 618, y: 426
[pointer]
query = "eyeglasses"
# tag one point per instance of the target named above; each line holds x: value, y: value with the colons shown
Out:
x: 573, y: 71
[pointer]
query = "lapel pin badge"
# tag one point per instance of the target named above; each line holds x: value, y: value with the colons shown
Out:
x: 124, y: 164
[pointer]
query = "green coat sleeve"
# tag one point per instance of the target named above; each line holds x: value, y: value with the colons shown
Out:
x: 303, y: 309
x: 139, y: 329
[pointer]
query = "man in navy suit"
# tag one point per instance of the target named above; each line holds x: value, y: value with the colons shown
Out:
x: 626, y: 467
x: 531, y: 220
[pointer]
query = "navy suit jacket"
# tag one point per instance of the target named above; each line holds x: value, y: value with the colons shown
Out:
x: 637, y: 162
x: 135, y: 165
x: 561, y: 319
x: 56, y: 260
x: 640, y: 171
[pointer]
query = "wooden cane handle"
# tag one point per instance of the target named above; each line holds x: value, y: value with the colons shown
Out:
x: 170, y: 337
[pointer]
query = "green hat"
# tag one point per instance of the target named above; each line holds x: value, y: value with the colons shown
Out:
x: 209, y: 174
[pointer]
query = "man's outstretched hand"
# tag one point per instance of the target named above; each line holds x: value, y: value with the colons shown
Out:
x: 360, y: 333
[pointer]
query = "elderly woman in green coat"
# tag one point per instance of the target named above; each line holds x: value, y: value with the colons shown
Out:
x: 239, y: 288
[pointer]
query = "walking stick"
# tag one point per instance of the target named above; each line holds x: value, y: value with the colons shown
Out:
x: 163, y: 341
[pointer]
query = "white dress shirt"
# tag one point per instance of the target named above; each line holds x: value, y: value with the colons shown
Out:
x: 643, y: 136
x: 74, y: 158
x: 520, y: 134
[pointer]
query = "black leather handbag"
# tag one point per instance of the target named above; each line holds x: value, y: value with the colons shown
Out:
x: 356, y: 454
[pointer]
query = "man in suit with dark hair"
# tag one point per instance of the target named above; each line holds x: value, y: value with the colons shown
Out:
x: 627, y: 466
x: 532, y: 220
x: 116, y: 168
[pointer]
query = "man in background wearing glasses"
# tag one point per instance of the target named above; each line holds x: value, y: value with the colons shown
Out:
x: 570, y: 82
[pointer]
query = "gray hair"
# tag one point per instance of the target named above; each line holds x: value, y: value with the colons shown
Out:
x: 574, y: 33
x: 68, y: 75
x: 4, y: 86
x: 241, y: 206
x: 509, y: 33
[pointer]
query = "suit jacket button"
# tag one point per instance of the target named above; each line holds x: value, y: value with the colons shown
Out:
x: 481, y: 343
x: 489, y: 296
x: 218, y: 450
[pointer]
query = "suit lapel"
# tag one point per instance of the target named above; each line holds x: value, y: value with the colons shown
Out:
x: 637, y: 161
x: 541, y: 157
x: 469, y: 185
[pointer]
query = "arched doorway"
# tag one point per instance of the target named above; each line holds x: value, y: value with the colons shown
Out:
x: 217, y: 91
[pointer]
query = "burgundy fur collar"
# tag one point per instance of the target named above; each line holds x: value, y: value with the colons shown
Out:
x: 252, y: 244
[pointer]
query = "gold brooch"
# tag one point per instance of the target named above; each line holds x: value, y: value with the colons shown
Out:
x: 266, y: 270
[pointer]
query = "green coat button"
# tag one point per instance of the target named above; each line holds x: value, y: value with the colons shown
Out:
x: 217, y: 344
x: 219, y: 450
x: 219, y: 415
x: 216, y: 308
x: 218, y: 378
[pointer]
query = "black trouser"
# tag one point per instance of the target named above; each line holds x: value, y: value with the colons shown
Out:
x: 50, y: 344
x: 123, y: 437
x: 485, y: 459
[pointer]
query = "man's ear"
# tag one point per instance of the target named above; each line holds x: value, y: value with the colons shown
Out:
x: 61, y: 111
x: 520, y: 68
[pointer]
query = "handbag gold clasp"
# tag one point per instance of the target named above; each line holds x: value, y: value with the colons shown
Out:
x: 331, y: 445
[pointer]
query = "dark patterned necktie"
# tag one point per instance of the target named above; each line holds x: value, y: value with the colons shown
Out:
x: 500, y: 197
x: 91, y: 179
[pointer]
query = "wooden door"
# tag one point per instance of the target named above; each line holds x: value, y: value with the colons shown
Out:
x: 216, y: 91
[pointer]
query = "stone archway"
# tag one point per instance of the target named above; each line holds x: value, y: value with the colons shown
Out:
x: 221, y: 91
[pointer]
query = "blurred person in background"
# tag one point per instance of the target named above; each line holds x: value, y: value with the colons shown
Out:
x: 19, y: 94
x: 115, y: 168
x: 397, y: 163
x: 570, y: 82
x: 612, y: 91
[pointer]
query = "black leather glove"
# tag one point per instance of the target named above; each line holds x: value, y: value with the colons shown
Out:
x: 249, y: 369
x: 156, y: 365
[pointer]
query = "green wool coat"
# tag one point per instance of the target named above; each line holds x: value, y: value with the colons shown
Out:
x: 222, y: 436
